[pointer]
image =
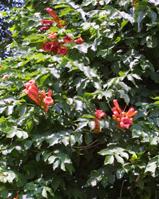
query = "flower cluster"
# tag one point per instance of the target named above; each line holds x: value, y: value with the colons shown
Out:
x: 46, y: 23
x: 56, y: 44
x: 99, y: 114
x: 60, y: 45
x: 41, y: 98
x: 124, y: 119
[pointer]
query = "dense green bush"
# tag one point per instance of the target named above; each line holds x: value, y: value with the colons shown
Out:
x: 101, y: 50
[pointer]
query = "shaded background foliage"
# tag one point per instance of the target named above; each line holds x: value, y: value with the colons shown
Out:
x: 5, y: 23
x: 11, y: 3
x: 57, y: 155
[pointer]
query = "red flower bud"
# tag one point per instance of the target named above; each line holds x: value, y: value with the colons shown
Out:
x: 97, y: 126
x: 79, y: 40
x: 49, y: 93
x: 131, y: 112
x: 116, y: 105
x: 52, y: 13
x: 43, y: 28
x: 48, y: 9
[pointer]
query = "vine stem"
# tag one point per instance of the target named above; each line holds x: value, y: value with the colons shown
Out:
x: 121, y: 190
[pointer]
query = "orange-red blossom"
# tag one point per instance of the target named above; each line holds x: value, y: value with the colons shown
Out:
x: 52, y: 13
x: 41, y: 98
x: 99, y: 114
x: 124, y: 119
x: 46, y: 23
x: 59, y: 47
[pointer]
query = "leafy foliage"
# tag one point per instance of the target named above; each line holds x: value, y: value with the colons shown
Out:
x: 57, y: 154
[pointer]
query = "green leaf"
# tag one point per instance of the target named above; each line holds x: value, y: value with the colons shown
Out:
x: 109, y: 160
x: 105, y: 152
x: 151, y: 167
x: 7, y: 176
x: 17, y: 132
x: 119, y: 159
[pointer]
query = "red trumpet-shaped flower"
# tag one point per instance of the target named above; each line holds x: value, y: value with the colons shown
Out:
x: 41, y: 98
x: 51, y: 46
x: 62, y: 50
x: 99, y: 114
x: 56, y: 47
x: 126, y: 122
x: 32, y: 91
x: 124, y: 119
x: 47, y: 100
x: 52, y: 13
x: 46, y: 24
